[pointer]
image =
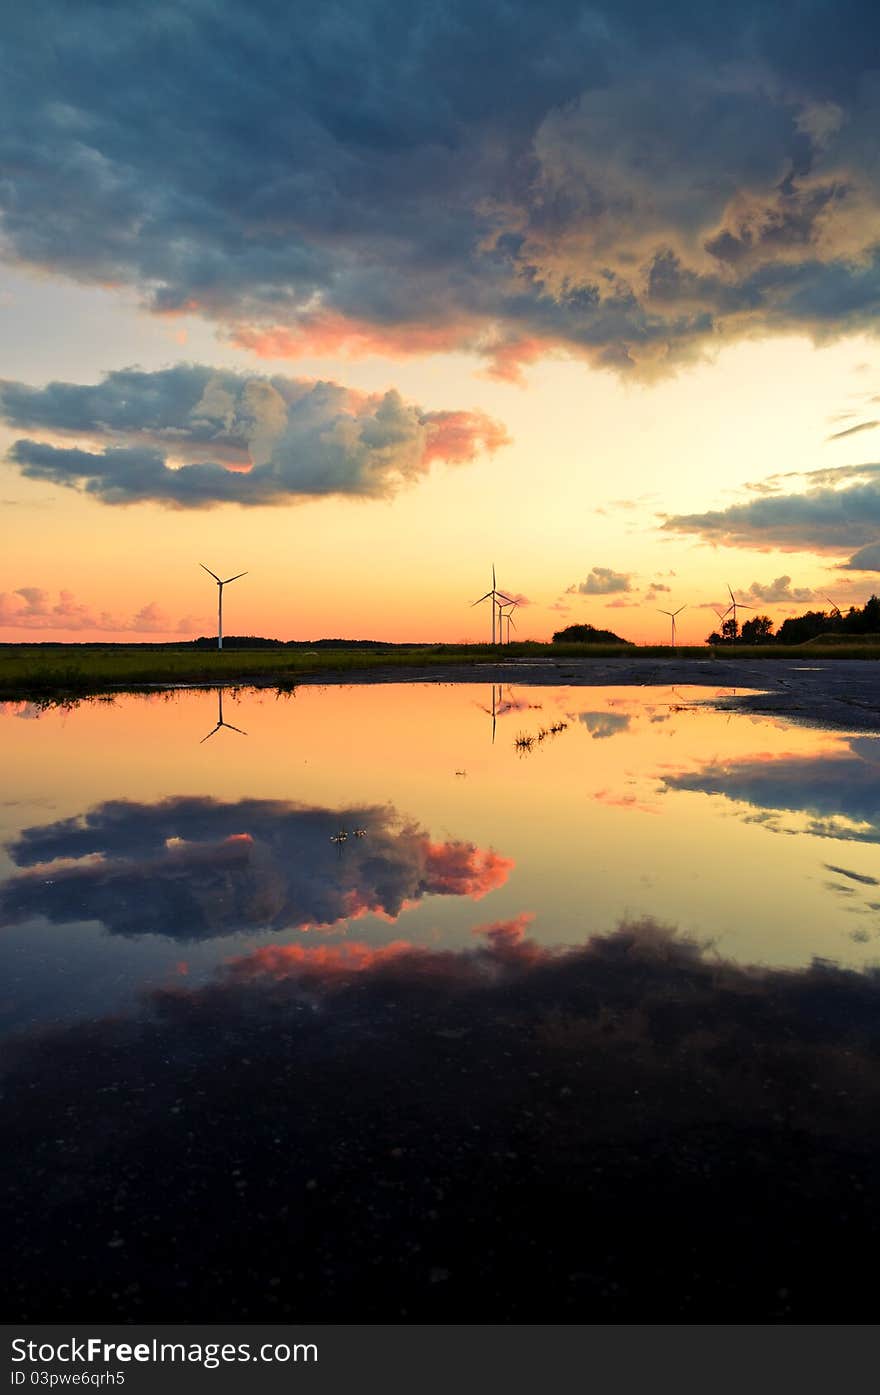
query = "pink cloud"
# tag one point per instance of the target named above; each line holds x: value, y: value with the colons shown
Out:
x: 32, y: 608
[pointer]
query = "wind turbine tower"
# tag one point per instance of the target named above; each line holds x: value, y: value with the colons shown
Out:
x: 220, y: 585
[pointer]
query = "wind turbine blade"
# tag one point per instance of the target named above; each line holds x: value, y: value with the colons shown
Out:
x: 732, y: 596
x: 234, y: 578
x: 210, y: 573
x: 493, y: 576
x: 663, y: 612
x: 507, y: 600
x: 210, y: 734
x: 680, y: 609
x: 482, y: 598
x: 230, y: 727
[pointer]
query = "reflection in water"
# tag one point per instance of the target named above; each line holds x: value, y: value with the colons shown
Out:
x: 220, y: 721
x: 838, y: 790
x: 623, y: 1129
x: 438, y: 1119
x: 601, y: 725
x: 193, y: 867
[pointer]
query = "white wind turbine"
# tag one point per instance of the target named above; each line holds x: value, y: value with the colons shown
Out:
x: 508, y: 616
x: 672, y: 614
x: 220, y: 585
x: 497, y: 598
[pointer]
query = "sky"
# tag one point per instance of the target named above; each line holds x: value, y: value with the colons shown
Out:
x: 363, y: 298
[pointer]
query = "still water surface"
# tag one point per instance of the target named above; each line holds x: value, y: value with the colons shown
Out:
x: 147, y: 845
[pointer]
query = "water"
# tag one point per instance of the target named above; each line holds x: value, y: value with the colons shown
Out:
x: 290, y: 1029
x: 144, y: 844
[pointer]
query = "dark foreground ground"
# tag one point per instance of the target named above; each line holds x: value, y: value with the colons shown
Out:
x: 631, y: 1130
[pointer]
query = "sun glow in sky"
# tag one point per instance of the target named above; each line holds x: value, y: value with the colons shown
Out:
x: 363, y: 304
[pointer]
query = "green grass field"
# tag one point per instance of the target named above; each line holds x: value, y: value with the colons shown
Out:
x: 69, y: 671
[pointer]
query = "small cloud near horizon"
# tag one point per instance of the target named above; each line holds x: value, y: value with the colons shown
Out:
x: 32, y: 608
x: 602, y: 581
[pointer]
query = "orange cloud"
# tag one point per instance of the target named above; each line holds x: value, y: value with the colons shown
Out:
x: 504, y: 933
x: 623, y: 801
x: 456, y: 437
x: 328, y: 333
x: 291, y: 961
x: 461, y: 869
x: 509, y: 359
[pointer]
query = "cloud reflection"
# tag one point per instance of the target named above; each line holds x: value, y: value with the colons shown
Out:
x: 193, y: 867
x: 510, y: 1132
x: 838, y: 790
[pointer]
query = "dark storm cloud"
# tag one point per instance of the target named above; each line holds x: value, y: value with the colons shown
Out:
x: 193, y: 436
x: 193, y: 868
x: 504, y: 178
x: 838, y: 791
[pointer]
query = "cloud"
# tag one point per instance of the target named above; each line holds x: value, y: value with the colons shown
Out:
x: 529, y: 1105
x: 853, y: 430
x: 32, y: 608
x: 853, y: 876
x: 506, y: 934
x: 838, y: 791
x: 867, y: 559
x: 601, y: 725
x: 653, y: 192
x: 780, y: 590
x: 193, y: 868
x: 821, y: 519
x: 194, y: 436
x: 602, y: 581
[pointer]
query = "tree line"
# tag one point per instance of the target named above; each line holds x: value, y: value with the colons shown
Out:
x: 798, y: 629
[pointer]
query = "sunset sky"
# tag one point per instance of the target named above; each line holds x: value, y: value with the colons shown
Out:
x: 363, y: 297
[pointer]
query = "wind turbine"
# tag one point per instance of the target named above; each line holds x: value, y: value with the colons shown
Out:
x: 506, y: 615
x: 835, y: 608
x: 220, y: 585
x: 498, y: 708
x: 732, y: 607
x: 496, y: 596
x: 672, y: 614
x: 220, y: 721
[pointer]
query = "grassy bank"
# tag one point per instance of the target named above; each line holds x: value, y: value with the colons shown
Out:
x: 59, y: 672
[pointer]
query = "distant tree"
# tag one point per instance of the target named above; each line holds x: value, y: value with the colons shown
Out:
x: 865, y: 621
x: 797, y: 629
x: 729, y: 633
x: 587, y: 634
x: 758, y: 630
